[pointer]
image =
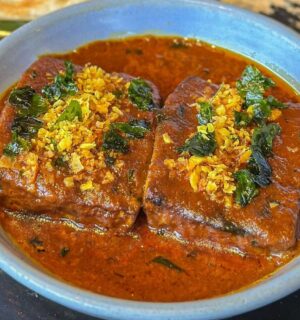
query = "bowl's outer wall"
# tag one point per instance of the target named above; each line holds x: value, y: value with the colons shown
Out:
x: 256, y: 37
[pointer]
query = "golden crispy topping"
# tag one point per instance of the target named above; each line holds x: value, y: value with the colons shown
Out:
x: 167, y: 139
x: 213, y: 174
x: 73, y: 129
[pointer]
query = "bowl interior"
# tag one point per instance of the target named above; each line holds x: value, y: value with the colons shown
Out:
x: 251, y: 35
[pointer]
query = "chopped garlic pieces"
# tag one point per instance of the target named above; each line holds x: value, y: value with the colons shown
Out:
x: 72, y: 144
x: 87, y: 186
x: 75, y: 164
x: 167, y: 139
x: 69, y: 182
x: 214, y: 174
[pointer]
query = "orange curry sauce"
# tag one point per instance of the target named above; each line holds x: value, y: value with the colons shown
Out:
x: 122, y: 266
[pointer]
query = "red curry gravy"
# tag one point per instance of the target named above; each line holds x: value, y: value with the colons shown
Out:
x: 122, y: 266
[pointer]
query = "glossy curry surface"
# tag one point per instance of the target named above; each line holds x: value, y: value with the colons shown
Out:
x: 143, y: 265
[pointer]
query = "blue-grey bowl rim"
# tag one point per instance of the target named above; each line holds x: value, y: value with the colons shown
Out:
x: 98, y: 305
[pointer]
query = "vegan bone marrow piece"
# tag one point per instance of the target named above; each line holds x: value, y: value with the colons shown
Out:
x: 219, y: 174
x: 77, y: 142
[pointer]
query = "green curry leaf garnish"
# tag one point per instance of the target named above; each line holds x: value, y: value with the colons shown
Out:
x: 167, y: 263
x: 72, y: 111
x: 260, y: 168
x: 246, y: 188
x: 26, y: 127
x: 114, y: 141
x: 135, y: 129
x: 206, y: 113
x: 258, y: 172
x: 200, y: 144
x: 264, y: 136
x: 242, y: 119
x: 141, y: 95
x: 29, y: 105
x: 27, y: 102
x: 274, y: 103
x: 253, y: 85
x: 63, y: 85
x: 16, y: 145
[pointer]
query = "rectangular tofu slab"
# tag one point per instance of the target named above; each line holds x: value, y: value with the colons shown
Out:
x: 77, y: 165
x: 172, y: 206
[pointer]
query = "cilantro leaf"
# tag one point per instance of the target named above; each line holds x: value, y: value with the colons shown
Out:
x: 72, y: 111
x: 206, y: 113
x: 135, y: 129
x: 200, y: 145
x: 246, y: 188
x: 140, y: 94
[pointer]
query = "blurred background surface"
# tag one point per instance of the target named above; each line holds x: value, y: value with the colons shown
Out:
x: 286, y: 11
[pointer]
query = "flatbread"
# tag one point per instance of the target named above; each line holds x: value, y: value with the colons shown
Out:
x: 30, y: 9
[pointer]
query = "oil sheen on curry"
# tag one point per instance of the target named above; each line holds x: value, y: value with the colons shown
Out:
x: 151, y: 168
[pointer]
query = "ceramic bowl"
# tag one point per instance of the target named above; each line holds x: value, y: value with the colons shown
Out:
x: 251, y: 35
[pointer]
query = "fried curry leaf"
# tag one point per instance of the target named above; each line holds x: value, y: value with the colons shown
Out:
x: 109, y: 161
x: 118, y: 94
x: 246, y: 189
x: 29, y: 105
x: 16, y: 145
x: 167, y: 263
x: 21, y: 97
x: 72, y: 111
x: 131, y: 175
x: 59, y: 162
x: 141, y: 95
x: 274, y: 103
x: 200, y: 145
x: 114, y: 141
x: 64, y: 251
x: 135, y: 129
x: 26, y: 127
x: 62, y: 86
x: 260, y: 168
x: 206, y: 113
x: 242, y: 119
x: 38, y: 106
x: 253, y: 85
x: 261, y: 111
x: 258, y: 172
x: 263, y: 137
x: 27, y: 102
